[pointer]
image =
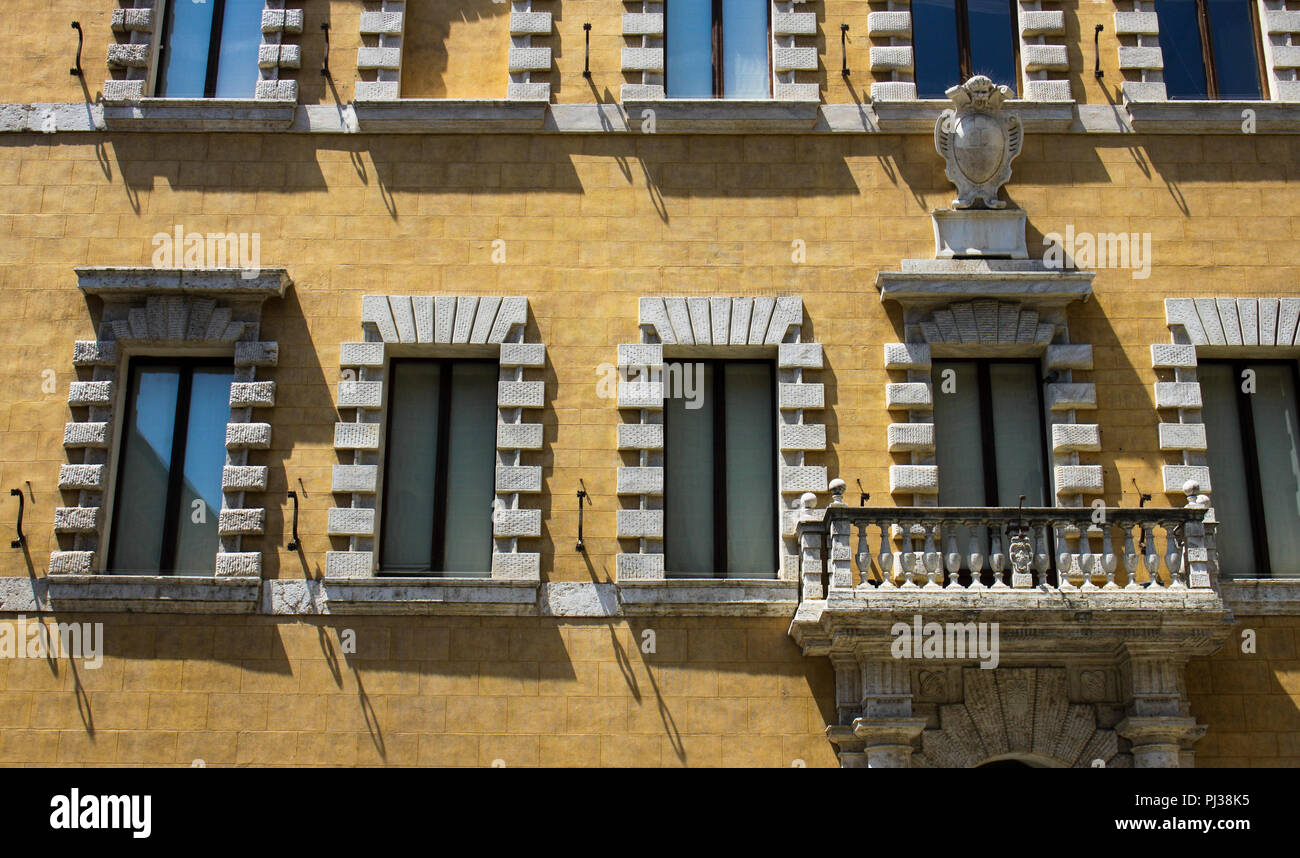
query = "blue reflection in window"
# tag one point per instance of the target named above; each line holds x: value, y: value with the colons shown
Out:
x: 1180, y: 44
x: 689, y: 48
x: 992, y: 50
x: 744, y: 49
x: 934, y: 43
x: 186, y: 55
x: 1235, y: 64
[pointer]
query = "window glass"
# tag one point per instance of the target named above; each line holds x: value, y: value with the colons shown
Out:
x: 935, y: 49
x: 1273, y: 407
x: 440, y: 459
x: 959, y: 451
x: 1017, y: 434
x: 184, y: 71
x: 751, y: 489
x: 992, y: 45
x: 688, y: 49
x: 173, y: 452
x: 1235, y: 63
x: 688, y: 481
x: 241, y: 35
x: 744, y: 49
x: 1180, y: 45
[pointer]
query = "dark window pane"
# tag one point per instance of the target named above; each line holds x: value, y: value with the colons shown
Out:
x: 1277, y: 438
x: 744, y: 48
x: 959, y: 448
x: 1180, y: 44
x: 184, y: 69
x: 689, y: 49
x: 241, y: 35
x: 471, y: 463
x: 991, y: 47
x: 141, y: 505
x: 406, y: 540
x: 688, y: 477
x: 1228, y: 471
x: 934, y: 43
x: 205, y: 456
x: 751, y: 456
x: 1017, y: 434
x: 1233, y: 36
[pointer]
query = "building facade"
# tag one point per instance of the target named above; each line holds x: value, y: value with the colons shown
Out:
x: 601, y: 383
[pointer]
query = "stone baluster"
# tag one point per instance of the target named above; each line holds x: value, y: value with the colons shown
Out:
x: 1174, y: 555
x: 908, y: 559
x: 811, y: 562
x: 952, y: 560
x: 1042, y: 556
x: 1087, y: 560
x: 1150, y: 556
x: 933, y: 558
x: 1130, y: 557
x: 887, y: 556
x: 1064, y: 561
x: 997, y: 560
x: 1109, y: 560
x: 976, y: 555
x: 863, y: 557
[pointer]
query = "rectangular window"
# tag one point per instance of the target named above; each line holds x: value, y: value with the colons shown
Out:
x: 989, y: 442
x: 1211, y: 49
x: 439, y: 471
x: 720, y: 459
x: 953, y: 40
x: 988, y: 426
x: 717, y: 49
x: 169, y: 481
x: 209, y: 49
x: 1253, y: 437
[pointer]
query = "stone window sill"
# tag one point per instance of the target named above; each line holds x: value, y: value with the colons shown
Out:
x: 417, y: 115
x: 1256, y: 596
x: 723, y: 115
x: 1213, y: 117
x: 199, y: 114
x: 922, y: 114
x: 736, y: 597
x: 155, y: 594
x: 473, y: 596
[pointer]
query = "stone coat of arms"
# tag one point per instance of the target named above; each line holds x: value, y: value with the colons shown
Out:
x: 978, y: 141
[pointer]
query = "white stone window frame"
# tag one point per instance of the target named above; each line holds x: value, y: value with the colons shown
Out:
x: 1044, y: 57
x: 793, y: 50
x: 678, y: 327
x: 383, y: 24
x: 164, y: 312
x: 990, y: 328
x: 1262, y: 327
x: 141, y: 24
x: 436, y: 326
x: 1138, y: 31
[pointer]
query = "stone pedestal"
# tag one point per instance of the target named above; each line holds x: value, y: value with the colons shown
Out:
x: 1157, y: 742
x: 986, y: 233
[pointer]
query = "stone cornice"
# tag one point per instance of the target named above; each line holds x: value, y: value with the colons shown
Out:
x: 127, y: 283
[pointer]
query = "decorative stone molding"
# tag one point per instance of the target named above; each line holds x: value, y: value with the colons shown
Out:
x: 138, y: 26
x: 1280, y: 23
x: 891, y: 30
x: 447, y: 326
x: 1239, y: 326
x: 978, y: 140
x: 1140, y: 59
x: 1019, y: 713
x: 274, y: 56
x: 794, y: 50
x: 170, y: 311
x: 379, y: 59
x: 525, y: 58
x: 992, y: 328
x: 643, y: 53
x: 1044, y: 66
x: 711, y: 327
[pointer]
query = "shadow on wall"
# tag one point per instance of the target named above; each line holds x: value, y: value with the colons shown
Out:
x: 456, y: 49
